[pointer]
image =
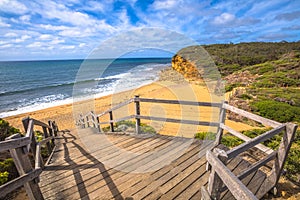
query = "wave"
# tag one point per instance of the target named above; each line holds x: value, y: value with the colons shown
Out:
x: 138, y: 76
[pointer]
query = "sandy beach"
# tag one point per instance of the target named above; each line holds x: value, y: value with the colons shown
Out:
x: 169, y: 86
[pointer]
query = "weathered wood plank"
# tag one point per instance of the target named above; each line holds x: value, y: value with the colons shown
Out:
x: 18, y: 182
x: 118, y: 120
x: 261, y: 147
x: 117, y: 107
x: 14, y: 143
x: 253, y: 142
x: 190, y: 103
x: 181, y: 121
x: 237, y: 188
x: 23, y: 166
x: 252, y: 116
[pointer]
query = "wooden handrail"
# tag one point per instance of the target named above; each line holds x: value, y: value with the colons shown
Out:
x: 236, y: 187
x: 252, y: 116
x: 253, y: 142
x: 190, y: 103
x: 19, y: 148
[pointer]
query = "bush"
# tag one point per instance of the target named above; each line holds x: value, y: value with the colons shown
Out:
x: 130, y: 127
x: 278, y: 111
x: 7, y: 167
x: 6, y: 130
x: 3, y: 177
x: 205, y: 136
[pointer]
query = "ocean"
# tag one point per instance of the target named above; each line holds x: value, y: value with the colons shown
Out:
x: 33, y: 85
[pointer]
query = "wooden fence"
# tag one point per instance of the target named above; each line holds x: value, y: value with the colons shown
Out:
x: 217, y: 158
x: 93, y: 120
x: 20, y: 148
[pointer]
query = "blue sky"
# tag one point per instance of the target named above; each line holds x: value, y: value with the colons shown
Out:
x: 61, y: 29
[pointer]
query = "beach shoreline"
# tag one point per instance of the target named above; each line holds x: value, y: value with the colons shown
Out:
x: 177, y: 88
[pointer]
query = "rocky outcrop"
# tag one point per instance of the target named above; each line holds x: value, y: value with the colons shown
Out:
x: 187, y: 68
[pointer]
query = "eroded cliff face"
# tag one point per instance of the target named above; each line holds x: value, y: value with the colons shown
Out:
x: 185, y: 67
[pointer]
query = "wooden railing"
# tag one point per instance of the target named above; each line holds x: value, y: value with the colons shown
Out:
x: 217, y: 158
x: 20, y: 147
x: 93, y: 120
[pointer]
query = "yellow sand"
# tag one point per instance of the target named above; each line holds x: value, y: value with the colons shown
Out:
x: 64, y: 114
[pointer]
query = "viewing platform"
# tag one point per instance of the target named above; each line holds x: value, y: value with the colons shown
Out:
x: 87, y: 163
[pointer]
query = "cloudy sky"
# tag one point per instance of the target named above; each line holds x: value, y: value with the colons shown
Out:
x: 62, y: 29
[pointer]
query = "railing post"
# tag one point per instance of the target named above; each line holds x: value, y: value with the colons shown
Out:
x: 51, y: 132
x: 23, y: 166
x: 93, y: 119
x: 221, y: 120
x: 82, y: 121
x: 215, y: 182
x: 137, y: 113
x: 49, y: 148
x: 98, y: 124
x: 111, y: 123
x: 25, y: 122
x: 87, y: 121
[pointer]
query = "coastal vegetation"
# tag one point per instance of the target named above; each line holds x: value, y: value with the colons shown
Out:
x: 263, y: 78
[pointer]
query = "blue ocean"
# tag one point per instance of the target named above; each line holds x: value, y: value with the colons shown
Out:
x: 33, y: 85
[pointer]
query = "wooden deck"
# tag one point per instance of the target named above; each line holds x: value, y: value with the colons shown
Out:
x: 119, y: 166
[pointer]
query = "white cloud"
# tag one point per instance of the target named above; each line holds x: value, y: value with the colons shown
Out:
x: 3, y: 24
x: 223, y: 19
x: 22, y: 39
x: 57, y: 41
x: 13, y: 6
x: 6, y: 46
x: 68, y: 47
x: 10, y: 34
x: 82, y: 45
x: 45, y: 37
x: 35, y: 45
x: 25, y: 18
x: 164, y: 4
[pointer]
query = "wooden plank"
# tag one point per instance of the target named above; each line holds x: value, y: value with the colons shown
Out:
x: 14, y: 143
x: 118, y: 120
x: 165, y: 173
x: 181, y: 121
x: 261, y: 147
x: 39, y: 123
x: 117, y: 107
x: 253, y: 142
x: 191, y: 103
x: 191, y: 177
x: 127, y: 182
x: 256, y: 182
x: 95, y: 179
x: 98, y: 186
x: 257, y: 165
x: 237, y: 188
x: 215, y: 182
x: 18, y: 182
x: 23, y: 166
x: 137, y: 113
x: 96, y: 172
x: 252, y: 116
x: 222, y: 117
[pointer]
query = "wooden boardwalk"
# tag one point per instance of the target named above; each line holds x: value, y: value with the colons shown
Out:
x: 141, y: 167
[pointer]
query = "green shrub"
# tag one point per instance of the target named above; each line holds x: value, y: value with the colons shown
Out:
x: 8, y: 166
x: 3, y: 177
x: 131, y: 124
x: 205, y: 136
x: 6, y: 130
x: 278, y: 111
x: 231, y: 141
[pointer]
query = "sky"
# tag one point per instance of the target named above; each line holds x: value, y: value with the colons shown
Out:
x: 71, y: 29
